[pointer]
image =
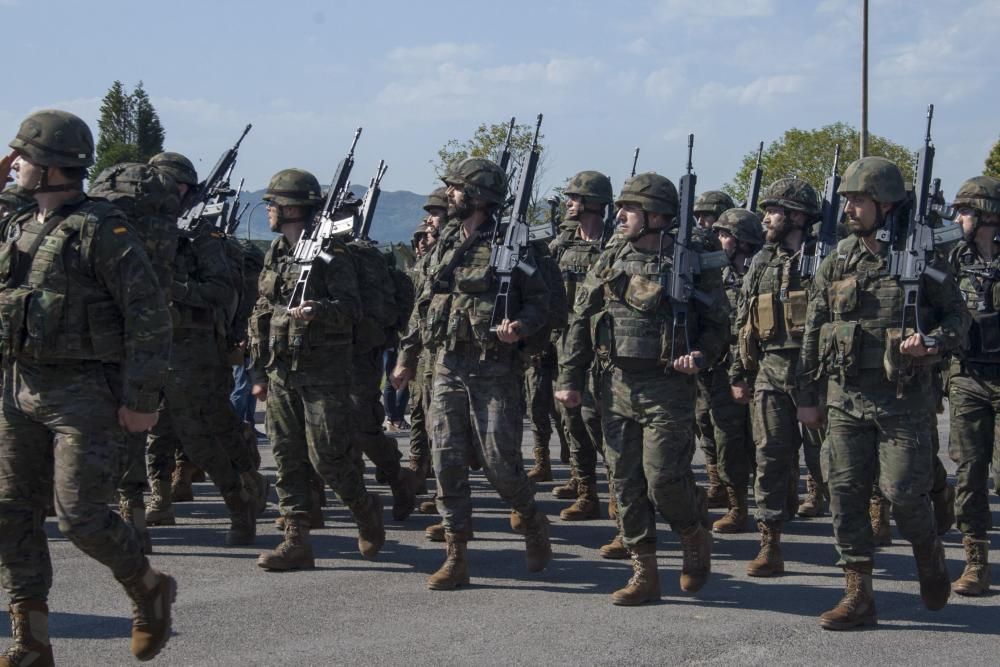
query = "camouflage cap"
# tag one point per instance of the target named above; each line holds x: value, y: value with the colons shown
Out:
x: 437, y: 199
x: 479, y: 178
x: 714, y: 202
x: 592, y: 185
x: 654, y: 193
x: 176, y: 166
x: 294, y: 187
x: 793, y: 194
x: 981, y: 193
x: 54, y: 138
x: 742, y: 224
x: 876, y: 177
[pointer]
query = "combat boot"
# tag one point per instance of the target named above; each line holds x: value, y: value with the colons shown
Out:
x: 429, y: 506
x: 975, y: 579
x: 404, y: 494
x: 696, y: 550
x: 517, y: 522
x: 152, y: 594
x: 542, y: 471
x: 935, y: 584
x: 181, y: 490
x: 160, y: 509
x: 198, y: 475
x: 257, y: 487
x: 817, y: 499
x: 717, y: 498
x: 857, y: 607
x: 537, y: 548
x: 436, y: 532
x: 133, y: 512
x: 769, y: 561
x: 454, y: 572
x: 878, y: 512
x: 615, y: 549
x: 294, y: 552
x: 242, y: 520
x: 612, y: 507
x: 735, y: 520
x: 371, y: 531
x: 568, y: 490
x: 29, y: 623
x: 644, y: 586
x: 587, y: 505
x: 944, y: 509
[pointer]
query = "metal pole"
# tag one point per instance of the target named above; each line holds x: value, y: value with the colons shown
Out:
x: 864, y: 78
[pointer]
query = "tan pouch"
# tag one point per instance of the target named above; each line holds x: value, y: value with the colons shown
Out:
x: 643, y: 294
x: 767, y: 323
x: 795, y: 313
x: 748, y: 341
x: 844, y: 295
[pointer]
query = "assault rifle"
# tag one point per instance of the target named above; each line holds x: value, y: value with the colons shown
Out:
x: 211, y: 202
x: 363, y: 223
x: 330, y: 221
x: 505, y: 154
x: 753, y: 192
x: 548, y: 229
x: 611, y: 217
x: 829, y: 217
x: 508, y: 256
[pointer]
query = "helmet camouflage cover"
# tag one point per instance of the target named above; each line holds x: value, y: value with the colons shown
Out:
x: 294, y: 187
x: 652, y: 192
x: 876, y: 177
x: 591, y: 185
x: 742, y: 224
x: 176, y: 166
x: 54, y: 138
x: 437, y: 199
x: 714, y: 202
x: 981, y: 193
x: 793, y: 194
x: 479, y: 178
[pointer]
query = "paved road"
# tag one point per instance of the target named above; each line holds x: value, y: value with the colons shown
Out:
x: 348, y: 611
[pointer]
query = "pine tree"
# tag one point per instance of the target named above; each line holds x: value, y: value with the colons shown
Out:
x: 129, y: 128
x: 992, y: 167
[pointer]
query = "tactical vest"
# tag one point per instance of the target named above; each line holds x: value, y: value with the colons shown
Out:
x: 778, y: 308
x: 575, y: 256
x: 186, y: 316
x: 980, y: 287
x: 59, y: 312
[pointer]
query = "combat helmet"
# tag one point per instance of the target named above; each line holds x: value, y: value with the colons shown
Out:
x: 742, y: 224
x: 793, y: 194
x: 981, y: 193
x: 592, y: 186
x: 294, y: 187
x: 652, y: 192
x: 437, y: 199
x: 479, y: 178
x: 876, y: 177
x: 54, y: 138
x: 713, y: 202
x: 176, y: 166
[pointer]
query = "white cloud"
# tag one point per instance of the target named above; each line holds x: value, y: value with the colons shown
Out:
x: 434, y: 53
x: 674, y: 10
x: 761, y: 92
x: 662, y: 84
x: 638, y: 46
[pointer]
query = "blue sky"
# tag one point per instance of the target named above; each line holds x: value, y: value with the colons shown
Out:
x: 607, y: 76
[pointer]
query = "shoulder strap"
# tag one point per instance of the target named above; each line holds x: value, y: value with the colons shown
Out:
x: 21, y: 269
x: 456, y: 259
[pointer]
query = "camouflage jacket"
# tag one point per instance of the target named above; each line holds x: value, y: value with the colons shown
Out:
x: 203, y: 281
x: 979, y: 282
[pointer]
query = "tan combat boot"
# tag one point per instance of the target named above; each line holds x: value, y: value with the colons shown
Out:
x: 152, y: 594
x: 612, y: 507
x: 568, y: 490
x: 857, y: 607
x: 735, y: 520
x: 242, y: 520
x: 817, y: 499
x: 29, y: 623
x: 587, y: 505
x: 768, y: 562
x: 944, y: 509
x: 160, y: 509
x: 696, y: 549
x: 615, y: 549
x: 644, y: 586
x: 429, y: 506
x: 371, y: 531
x: 975, y: 580
x: 935, y: 584
x: 404, y: 494
x: 878, y: 512
x: 437, y: 532
x: 542, y: 471
x: 717, y: 498
x: 181, y: 490
x: 454, y: 572
x: 294, y: 552
x: 537, y: 548
x: 133, y: 512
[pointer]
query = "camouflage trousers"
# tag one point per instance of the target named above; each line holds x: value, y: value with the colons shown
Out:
x: 59, y: 431
x: 420, y: 401
x: 724, y: 428
x: 901, y: 447
x: 648, y: 423
x: 307, y: 425
x: 477, y: 404
x: 367, y: 415
x: 778, y: 438
x: 974, y: 403
x: 539, y: 375
x: 582, y: 426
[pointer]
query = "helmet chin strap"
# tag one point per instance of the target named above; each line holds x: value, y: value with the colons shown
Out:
x: 43, y: 184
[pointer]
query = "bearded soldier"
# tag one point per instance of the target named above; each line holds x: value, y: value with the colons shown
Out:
x: 85, y: 342
x: 646, y: 384
x: 879, y: 400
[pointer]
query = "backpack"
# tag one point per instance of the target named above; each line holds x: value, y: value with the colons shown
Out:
x: 379, y: 312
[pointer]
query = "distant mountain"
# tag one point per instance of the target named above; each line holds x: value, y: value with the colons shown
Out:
x: 397, y: 215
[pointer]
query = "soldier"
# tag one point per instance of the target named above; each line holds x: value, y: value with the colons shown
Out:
x: 771, y: 316
x: 82, y: 365
x: 709, y: 206
x: 739, y: 234
x: 646, y: 384
x: 974, y: 383
x: 879, y: 398
x: 477, y: 381
x: 301, y: 359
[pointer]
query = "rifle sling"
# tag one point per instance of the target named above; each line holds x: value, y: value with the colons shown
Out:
x: 456, y: 259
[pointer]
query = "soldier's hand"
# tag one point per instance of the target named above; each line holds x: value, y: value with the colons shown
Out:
x: 304, y: 311
x: 259, y: 391
x: 509, y: 331
x: 136, y: 422
x: 569, y: 397
x: 914, y: 347
x: 400, y: 377
x: 741, y: 393
x: 689, y: 363
x: 812, y: 417
x: 5, y: 163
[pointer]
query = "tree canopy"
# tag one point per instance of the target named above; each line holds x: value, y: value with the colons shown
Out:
x: 129, y: 128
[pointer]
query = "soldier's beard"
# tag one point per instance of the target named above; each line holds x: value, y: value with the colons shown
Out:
x: 776, y: 233
x: 461, y: 211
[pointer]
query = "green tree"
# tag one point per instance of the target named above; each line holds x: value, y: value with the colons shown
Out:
x: 129, y: 128
x: 808, y: 154
x: 992, y: 167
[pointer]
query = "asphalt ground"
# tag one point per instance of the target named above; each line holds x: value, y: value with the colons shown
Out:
x: 352, y: 612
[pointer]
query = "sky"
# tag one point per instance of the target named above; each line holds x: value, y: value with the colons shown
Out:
x: 608, y: 76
